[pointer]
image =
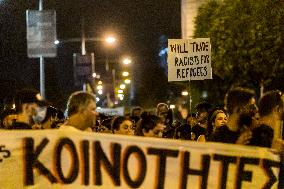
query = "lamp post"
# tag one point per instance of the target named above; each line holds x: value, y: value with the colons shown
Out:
x: 109, y: 40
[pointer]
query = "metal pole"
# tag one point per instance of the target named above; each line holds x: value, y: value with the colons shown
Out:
x: 114, y: 82
x: 189, y: 95
x: 41, y: 59
x: 40, y: 6
x: 42, y: 75
x: 83, y: 38
x: 83, y: 49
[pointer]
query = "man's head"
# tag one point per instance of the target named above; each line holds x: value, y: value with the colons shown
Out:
x: 271, y: 102
x: 162, y: 111
x: 27, y: 102
x: 203, y: 109
x: 238, y: 98
x: 136, y: 111
x: 83, y: 105
x: 240, y: 102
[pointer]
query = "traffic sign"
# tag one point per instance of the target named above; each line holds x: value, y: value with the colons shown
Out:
x: 41, y: 33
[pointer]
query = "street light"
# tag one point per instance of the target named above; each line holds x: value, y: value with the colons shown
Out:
x: 184, y: 93
x: 125, y: 74
x: 126, y: 61
x: 127, y: 81
x: 110, y: 40
x: 122, y: 86
x: 100, y: 92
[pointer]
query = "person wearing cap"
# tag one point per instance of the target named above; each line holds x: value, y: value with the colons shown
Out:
x: 27, y: 103
x: 81, y: 111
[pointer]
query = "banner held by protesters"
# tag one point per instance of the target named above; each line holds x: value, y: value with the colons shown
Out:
x: 74, y: 159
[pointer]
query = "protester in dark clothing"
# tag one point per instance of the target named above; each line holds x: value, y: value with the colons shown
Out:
x: 166, y: 115
x: 135, y: 114
x: 202, y: 109
x: 53, y: 118
x: 183, y: 132
x: 27, y: 102
x: 225, y: 135
x: 197, y: 131
x: 262, y: 136
x: 191, y: 119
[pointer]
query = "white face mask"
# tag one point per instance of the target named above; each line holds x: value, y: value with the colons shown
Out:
x: 40, y: 114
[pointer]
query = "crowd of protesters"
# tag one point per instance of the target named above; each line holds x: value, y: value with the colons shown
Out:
x: 242, y: 120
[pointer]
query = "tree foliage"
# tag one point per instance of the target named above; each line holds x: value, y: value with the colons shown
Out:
x: 247, y: 38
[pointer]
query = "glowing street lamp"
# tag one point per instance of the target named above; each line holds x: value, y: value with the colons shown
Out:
x: 100, y: 92
x: 184, y: 93
x: 99, y: 87
x: 126, y: 61
x: 125, y: 74
x: 120, y: 96
x: 110, y: 40
x: 127, y: 81
x: 122, y: 86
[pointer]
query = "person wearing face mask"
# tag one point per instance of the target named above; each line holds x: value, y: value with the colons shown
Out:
x: 50, y: 118
x: 271, y: 112
x: 28, y: 103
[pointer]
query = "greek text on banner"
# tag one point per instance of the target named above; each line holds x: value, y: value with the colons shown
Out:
x: 73, y: 159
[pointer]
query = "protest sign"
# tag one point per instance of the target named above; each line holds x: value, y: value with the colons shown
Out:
x: 189, y: 59
x: 67, y: 158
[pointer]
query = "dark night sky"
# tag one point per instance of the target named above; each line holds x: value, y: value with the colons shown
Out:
x: 138, y: 25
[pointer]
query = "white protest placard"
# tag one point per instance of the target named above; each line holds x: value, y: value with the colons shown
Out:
x: 189, y: 59
x: 68, y: 158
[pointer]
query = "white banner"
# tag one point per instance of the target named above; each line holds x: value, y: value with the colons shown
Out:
x: 119, y: 111
x: 73, y: 159
x: 189, y: 59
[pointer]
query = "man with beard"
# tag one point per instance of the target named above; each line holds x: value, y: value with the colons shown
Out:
x: 81, y: 111
x: 238, y: 103
x: 271, y: 112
